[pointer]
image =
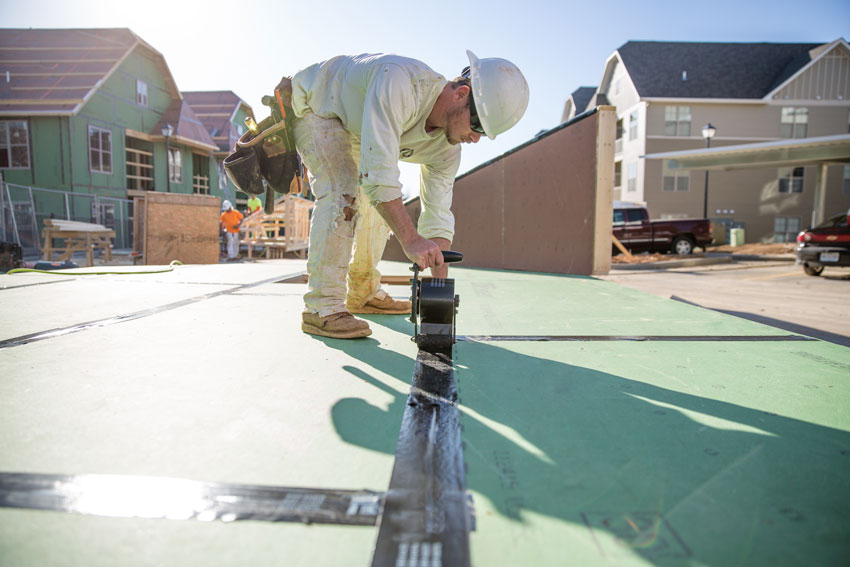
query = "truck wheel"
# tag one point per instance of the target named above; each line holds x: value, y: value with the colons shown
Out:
x: 682, y: 245
x: 812, y: 270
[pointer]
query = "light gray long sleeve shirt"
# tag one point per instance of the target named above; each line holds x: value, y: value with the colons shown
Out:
x: 383, y: 101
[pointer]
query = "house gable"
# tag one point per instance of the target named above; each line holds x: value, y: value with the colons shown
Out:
x: 825, y: 78
x: 578, y: 102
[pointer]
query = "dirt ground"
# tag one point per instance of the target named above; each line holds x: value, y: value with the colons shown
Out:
x: 755, y: 249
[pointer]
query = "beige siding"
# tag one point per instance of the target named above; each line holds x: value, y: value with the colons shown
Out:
x: 828, y: 79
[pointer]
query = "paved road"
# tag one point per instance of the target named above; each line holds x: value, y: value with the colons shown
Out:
x: 774, y: 293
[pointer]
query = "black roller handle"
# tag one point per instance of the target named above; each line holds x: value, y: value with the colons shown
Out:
x: 449, y: 257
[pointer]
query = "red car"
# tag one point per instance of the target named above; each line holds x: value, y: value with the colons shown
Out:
x: 827, y: 244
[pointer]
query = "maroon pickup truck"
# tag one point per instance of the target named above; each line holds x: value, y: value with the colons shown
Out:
x: 637, y: 233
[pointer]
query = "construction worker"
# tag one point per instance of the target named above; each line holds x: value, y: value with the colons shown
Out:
x: 254, y: 204
x: 356, y: 117
x: 230, y: 220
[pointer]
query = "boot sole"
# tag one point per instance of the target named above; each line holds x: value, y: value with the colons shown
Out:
x: 377, y: 311
x: 355, y: 334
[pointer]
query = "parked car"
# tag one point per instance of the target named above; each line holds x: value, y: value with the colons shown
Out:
x: 637, y: 233
x: 827, y: 244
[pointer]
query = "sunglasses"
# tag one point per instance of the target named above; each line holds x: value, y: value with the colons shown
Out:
x: 474, y: 121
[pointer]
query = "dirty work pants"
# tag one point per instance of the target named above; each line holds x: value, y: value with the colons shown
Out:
x: 342, y: 216
x: 232, y: 244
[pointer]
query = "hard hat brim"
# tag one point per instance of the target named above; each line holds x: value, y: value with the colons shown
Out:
x: 474, y: 67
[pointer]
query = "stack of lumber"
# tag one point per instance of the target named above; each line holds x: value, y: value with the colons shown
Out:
x: 76, y: 237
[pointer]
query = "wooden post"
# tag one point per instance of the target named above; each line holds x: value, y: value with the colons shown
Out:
x: 620, y: 247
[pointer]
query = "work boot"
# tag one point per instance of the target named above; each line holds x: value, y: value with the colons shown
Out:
x: 385, y: 306
x: 341, y: 325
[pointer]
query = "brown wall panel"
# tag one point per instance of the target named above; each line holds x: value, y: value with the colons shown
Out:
x: 535, y: 208
x: 181, y: 227
x: 549, y: 192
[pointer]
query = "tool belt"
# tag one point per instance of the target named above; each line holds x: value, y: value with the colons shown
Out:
x: 266, y: 152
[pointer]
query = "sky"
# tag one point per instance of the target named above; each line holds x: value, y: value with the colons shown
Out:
x: 247, y: 45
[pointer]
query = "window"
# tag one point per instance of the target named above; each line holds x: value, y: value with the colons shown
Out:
x: 100, y: 150
x: 618, y: 173
x: 619, y: 217
x: 200, y: 175
x: 791, y: 179
x: 785, y: 229
x: 14, y: 144
x: 175, y: 165
x: 618, y: 143
x: 632, y: 178
x: 673, y: 179
x: 677, y: 120
x: 795, y: 122
x: 847, y: 179
x: 633, y: 125
x: 141, y: 93
x: 634, y: 215
x: 139, y: 163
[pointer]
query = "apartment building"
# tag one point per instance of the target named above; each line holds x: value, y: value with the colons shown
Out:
x: 666, y: 92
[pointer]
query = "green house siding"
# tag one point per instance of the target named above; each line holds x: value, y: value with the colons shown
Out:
x: 239, y: 123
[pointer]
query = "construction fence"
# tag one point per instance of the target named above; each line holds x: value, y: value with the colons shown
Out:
x: 24, y: 209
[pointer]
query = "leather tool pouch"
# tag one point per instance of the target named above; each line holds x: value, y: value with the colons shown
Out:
x: 269, y: 155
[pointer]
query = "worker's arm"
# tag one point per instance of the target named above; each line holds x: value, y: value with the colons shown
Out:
x: 441, y: 271
x: 425, y: 253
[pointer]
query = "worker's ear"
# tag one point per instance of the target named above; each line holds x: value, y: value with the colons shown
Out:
x: 461, y: 93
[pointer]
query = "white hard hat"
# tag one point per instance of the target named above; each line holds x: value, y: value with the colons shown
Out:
x: 500, y: 93
x: 226, y: 205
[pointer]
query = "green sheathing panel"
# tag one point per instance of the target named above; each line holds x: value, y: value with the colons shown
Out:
x: 114, y: 108
x: 50, y: 152
x: 618, y: 453
x: 657, y: 453
x: 226, y: 389
x: 646, y: 453
x: 505, y: 303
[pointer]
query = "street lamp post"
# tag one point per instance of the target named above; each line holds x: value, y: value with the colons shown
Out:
x: 708, y: 133
x: 167, y: 131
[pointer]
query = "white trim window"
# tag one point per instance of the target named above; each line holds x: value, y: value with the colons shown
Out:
x: 631, y: 183
x: 785, y: 229
x: 791, y: 179
x: 14, y: 144
x: 677, y: 120
x: 141, y: 93
x: 618, y: 173
x: 100, y: 150
x: 674, y: 179
x: 633, y: 125
x: 794, y: 122
x: 175, y: 165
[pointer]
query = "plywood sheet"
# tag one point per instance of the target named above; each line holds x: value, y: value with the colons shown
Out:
x: 181, y: 227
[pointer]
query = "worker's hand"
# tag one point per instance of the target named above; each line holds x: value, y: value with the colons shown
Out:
x: 424, y: 253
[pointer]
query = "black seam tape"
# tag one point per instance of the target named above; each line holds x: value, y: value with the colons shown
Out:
x: 426, y: 517
x: 42, y: 335
x: 673, y: 338
x: 179, y: 499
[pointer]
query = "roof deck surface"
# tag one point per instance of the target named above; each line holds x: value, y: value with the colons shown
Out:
x: 726, y: 443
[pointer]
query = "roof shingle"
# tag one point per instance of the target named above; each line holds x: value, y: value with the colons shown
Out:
x: 712, y: 70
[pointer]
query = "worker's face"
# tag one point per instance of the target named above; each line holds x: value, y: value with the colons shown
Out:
x: 458, y: 127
